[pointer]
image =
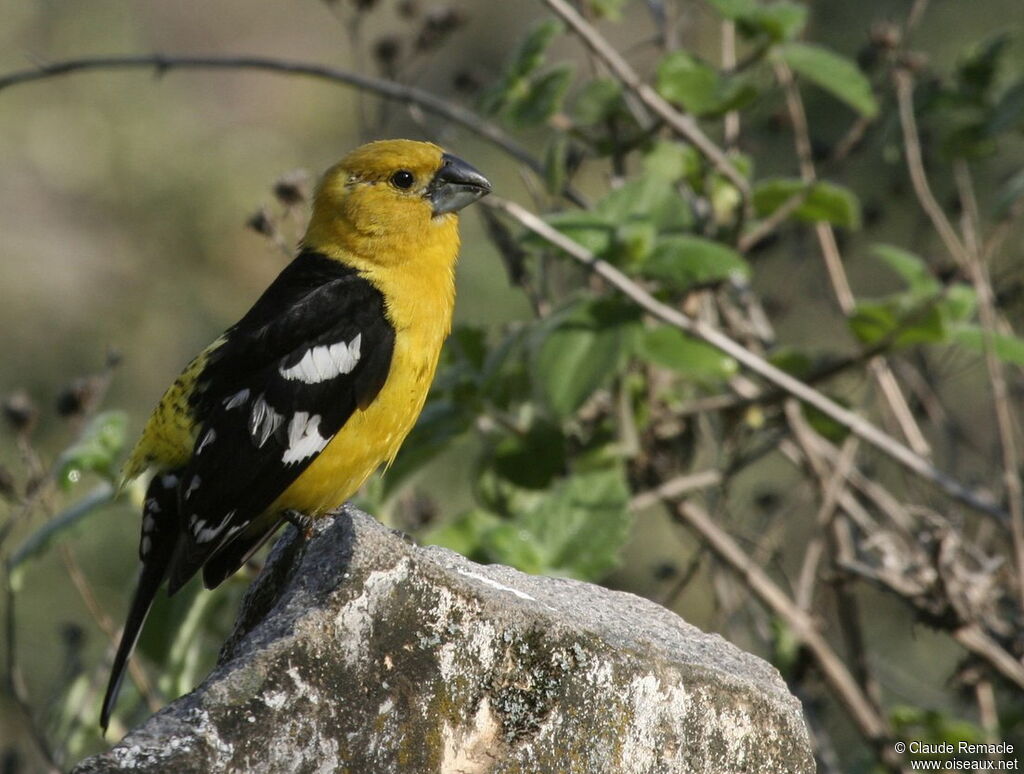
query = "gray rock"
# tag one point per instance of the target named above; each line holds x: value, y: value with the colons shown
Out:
x: 358, y: 652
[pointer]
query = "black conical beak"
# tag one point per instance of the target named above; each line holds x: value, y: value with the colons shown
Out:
x: 456, y: 185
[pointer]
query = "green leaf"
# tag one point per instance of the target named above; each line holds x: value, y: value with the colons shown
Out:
x: 824, y: 201
x: 516, y: 82
x: 779, y: 21
x: 464, y: 534
x: 580, y: 527
x: 834, y: 73
x: 533, y: 459
x: 698, y: 87
x: 543, y: 99
x: 96, y: 451
x: 734, y: 9
x: 958, y: 303
x: 1009, y: 194
x: 531, y: 52
x: 597, y: 101
x: 682, y: 262
x: 671, y: 348
x: 509, y: 543
x: 911, y: 268
x: 896, y: 320
x: 1009, y: 349
x: 595, y: 232
x: 555, y: 154
x: 1008, y: 114
x: 672, y: 161
x: 793, y: 361
x: 608, y: 9
x: 639, y: 197
x: 977, y: 73
x: 650, y: 198
x: 580, y: 349
x: 823, y: 424
x: 634, y: 241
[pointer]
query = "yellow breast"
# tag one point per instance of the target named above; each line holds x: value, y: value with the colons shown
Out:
x: 370, y: 436
x: 420, y: 298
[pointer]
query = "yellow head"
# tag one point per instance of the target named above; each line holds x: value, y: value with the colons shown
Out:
x: 385, y: 198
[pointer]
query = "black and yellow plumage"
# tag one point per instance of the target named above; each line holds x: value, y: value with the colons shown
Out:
x: 296, y: 404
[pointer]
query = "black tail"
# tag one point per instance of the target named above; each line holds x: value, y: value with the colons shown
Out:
x: 159, y: 537
x: 149, y: 583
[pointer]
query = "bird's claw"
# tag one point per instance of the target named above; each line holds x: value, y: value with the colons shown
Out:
x: 301, y: 521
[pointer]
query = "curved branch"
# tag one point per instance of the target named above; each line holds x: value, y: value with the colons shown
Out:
x: 682, y: 124
x: 397, y: 92
x: 859, y: 426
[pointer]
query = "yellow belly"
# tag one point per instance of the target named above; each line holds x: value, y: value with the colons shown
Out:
x: 372, y: 436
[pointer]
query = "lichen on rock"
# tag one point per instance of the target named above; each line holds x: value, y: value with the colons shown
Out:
x: 358, y: 652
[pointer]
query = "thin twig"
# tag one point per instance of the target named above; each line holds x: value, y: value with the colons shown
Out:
x: 675, y: 488
x: 106, y: 625
x: 857, y: 424
x: 732, y: 118
x: 915, y: 166
x: 680, y: 123
x: 871, y: 723
x: 384, y: 88
x: 1006, y: 422
x: 834, y: 264
x: 15, y: 682
x: 772, y: 222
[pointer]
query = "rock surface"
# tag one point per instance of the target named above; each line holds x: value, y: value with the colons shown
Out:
x: 358, y: 652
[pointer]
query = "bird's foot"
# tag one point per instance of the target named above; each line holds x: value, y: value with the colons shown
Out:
x: 304, y: 523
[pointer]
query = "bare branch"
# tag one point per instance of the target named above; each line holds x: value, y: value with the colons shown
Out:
x: 871, y: 723
x: 675, y: 488
x: 387, y: 89
x: 680, y: 123
x: 834, y: 265
x: 1006, y: 422
x: 857, y: 424
x: 915, y: 166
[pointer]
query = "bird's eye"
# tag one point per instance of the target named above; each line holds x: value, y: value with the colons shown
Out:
x: 402, y: 179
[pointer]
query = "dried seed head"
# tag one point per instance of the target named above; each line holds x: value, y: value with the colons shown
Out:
x: 20, y: 411
x: 465, y: 82
x: 387, y: 51
x: 292, y: 188
x: 261, y: 223
x: 438, y: 24
x: 77, y: 396
x: 409, y: 9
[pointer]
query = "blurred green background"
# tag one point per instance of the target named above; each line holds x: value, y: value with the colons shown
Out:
x: 123, y: 202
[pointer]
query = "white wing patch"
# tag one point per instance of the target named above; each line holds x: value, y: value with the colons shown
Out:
x: 263, y: 421
x: 204, y: 534
x: 209, y: 438
x: 304, y: 439
x: 324, y: 362
x: 237, y: 399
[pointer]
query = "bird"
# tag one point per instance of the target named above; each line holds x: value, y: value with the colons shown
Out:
x: 288, y: 412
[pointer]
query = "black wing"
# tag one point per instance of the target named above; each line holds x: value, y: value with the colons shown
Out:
x: 315, y: 347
